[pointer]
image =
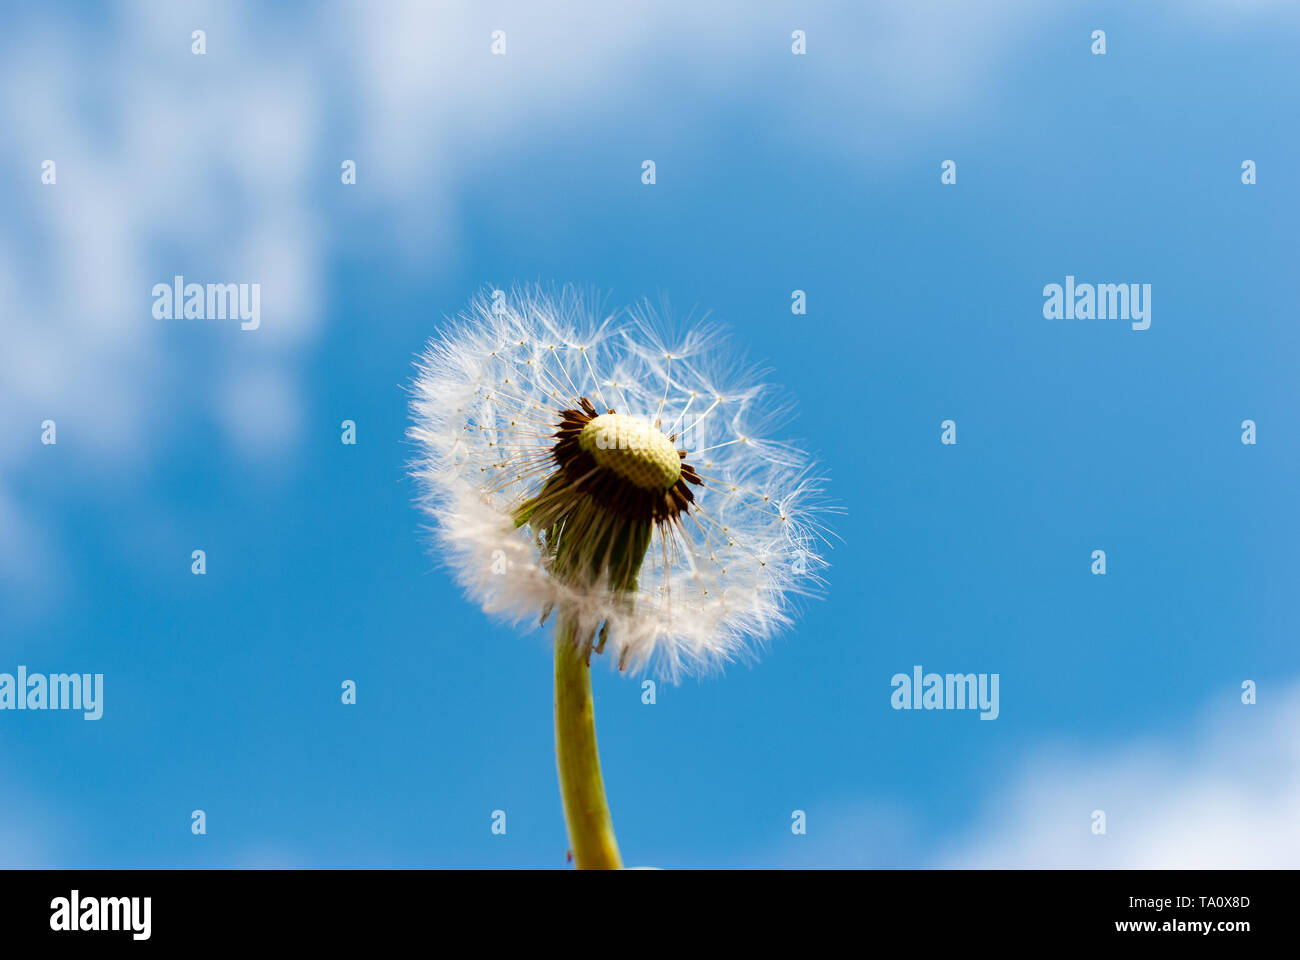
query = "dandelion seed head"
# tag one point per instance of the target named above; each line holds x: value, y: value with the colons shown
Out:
x: 603, y: 468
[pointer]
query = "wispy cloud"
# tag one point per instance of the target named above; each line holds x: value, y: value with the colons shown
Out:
x: 211, y: 166
x: 1223, y: 795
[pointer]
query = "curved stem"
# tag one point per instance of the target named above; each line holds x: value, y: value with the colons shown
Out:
x: 591, y: 833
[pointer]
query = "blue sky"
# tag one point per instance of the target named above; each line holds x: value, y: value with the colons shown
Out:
x: 774, y: 173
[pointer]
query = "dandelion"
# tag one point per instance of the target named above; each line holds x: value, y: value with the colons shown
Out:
x: 611, y: 474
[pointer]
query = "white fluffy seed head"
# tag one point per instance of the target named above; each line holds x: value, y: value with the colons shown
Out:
x: 486, y: 404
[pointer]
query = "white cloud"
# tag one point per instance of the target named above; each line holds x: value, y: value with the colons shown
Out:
x: 1224, y: 795
x: 212, y: 166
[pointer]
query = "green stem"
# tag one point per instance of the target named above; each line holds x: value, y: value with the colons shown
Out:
x: 591, y: 833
